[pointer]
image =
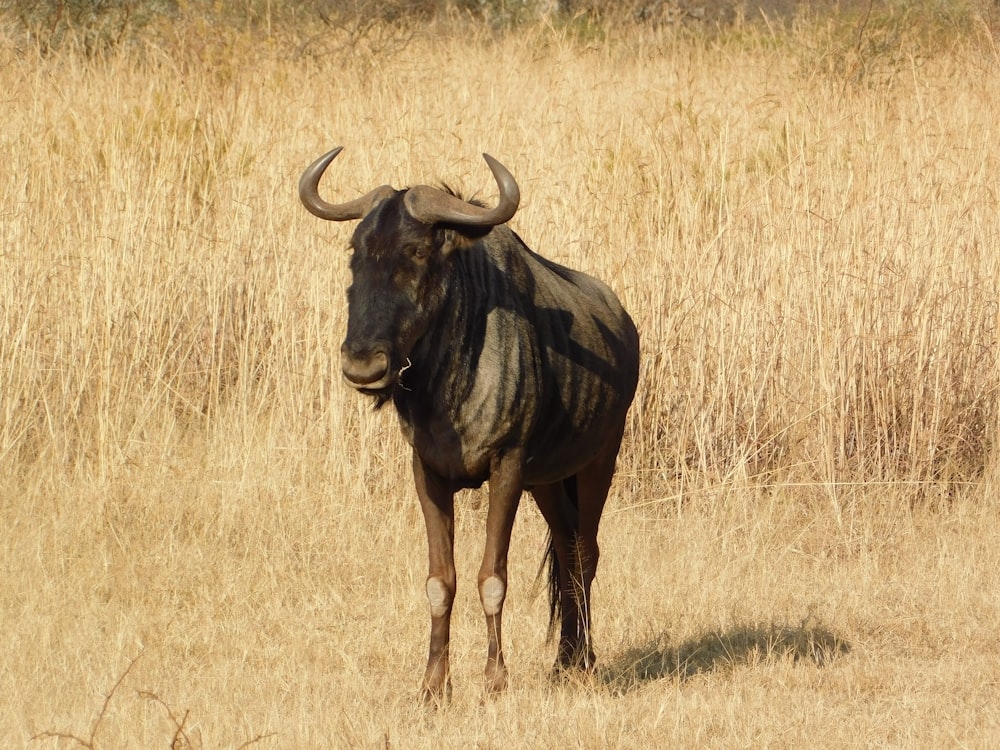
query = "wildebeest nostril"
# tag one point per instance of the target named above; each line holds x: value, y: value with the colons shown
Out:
x: 364, y: 367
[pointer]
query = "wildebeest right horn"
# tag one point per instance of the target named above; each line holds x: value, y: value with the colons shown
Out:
x: 429, y: 205
x: 355, y: 209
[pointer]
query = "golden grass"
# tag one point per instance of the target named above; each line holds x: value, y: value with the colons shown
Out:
x: 801, y: 549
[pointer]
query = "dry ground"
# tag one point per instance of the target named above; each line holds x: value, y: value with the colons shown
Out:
x: 802, y: 548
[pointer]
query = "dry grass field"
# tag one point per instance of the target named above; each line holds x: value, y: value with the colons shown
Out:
x: 802, y: 547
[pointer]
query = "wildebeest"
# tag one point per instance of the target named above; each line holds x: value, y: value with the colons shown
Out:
x: 502, y: 366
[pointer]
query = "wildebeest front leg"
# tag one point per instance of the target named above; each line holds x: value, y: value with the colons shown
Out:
x: 437, y: 504
x: 505, y: 494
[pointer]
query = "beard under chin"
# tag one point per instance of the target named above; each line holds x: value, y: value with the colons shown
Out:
x: 380, y: 397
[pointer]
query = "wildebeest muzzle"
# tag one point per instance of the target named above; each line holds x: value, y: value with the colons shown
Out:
x: 366, y: 367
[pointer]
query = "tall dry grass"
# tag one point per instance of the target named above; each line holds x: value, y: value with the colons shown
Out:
x: 801, y: 548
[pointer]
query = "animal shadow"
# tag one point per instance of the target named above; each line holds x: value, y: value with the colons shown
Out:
x: 716, y: 651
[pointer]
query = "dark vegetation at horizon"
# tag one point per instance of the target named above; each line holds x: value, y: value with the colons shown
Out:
x: 100, y: 26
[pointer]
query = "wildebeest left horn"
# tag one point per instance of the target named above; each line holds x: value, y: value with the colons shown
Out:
x: 355, y: 209
x: 429, y: 205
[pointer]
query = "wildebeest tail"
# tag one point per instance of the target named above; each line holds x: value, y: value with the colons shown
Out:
x: 555, y: 603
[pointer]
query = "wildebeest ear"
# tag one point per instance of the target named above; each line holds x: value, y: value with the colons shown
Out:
x: 448, y: 239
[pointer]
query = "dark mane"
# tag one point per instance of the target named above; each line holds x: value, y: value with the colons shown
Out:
x: 452, y: 191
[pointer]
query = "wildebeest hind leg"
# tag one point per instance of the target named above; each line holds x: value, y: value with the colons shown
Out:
x: 560, y: 513
x: 573, y: 511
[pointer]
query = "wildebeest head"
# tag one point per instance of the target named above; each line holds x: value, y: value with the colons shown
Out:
x: 401, y: 251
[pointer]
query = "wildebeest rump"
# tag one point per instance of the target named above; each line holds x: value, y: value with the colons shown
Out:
x: 502, y: 366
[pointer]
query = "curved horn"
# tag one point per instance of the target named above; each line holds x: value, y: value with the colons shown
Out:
x: 355, y: 209
x: 429, y: 205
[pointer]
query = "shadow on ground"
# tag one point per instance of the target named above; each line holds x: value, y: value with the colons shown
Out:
x: 719, y: 651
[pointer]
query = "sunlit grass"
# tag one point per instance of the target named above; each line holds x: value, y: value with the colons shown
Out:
x: 800, y: 549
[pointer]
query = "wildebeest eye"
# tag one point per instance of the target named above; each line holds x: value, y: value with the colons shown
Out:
x: 420, y: 252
